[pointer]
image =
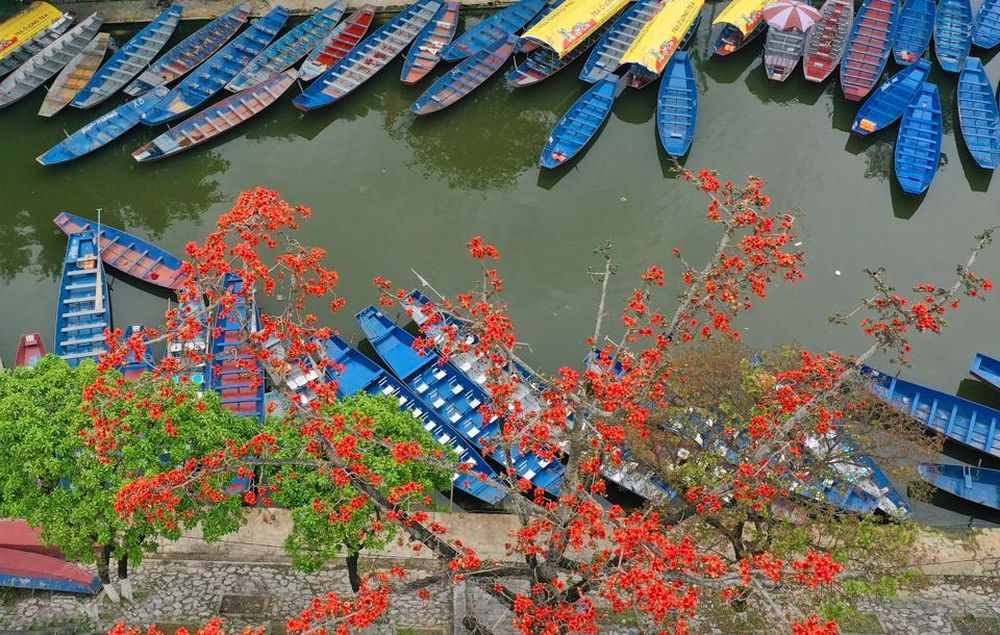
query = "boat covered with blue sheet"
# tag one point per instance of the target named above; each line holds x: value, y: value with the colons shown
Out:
x: 918, y: 144
x: 975, y: 484
x: 84, y: 310
x: 978, y: 114
x: 677, y: 105
x: 498, y: 26
x: 885, y: 106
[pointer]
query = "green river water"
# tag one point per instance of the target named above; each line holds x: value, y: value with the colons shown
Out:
x: 390, y: 193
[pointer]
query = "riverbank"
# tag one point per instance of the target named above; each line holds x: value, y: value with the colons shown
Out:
x: 137, y: 11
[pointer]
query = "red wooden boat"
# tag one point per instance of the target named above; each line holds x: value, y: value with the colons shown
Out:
x: 20, y: 536
x: 338, y: 43
x: 30, y: 349
x: 27, y: 570
x: 868, y: 47
x: 425, y: 52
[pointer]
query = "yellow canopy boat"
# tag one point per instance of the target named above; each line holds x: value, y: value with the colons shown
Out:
x: 662, y: 35
x: 745, y: 15
x: 571, y: 22
x: 25, y: 25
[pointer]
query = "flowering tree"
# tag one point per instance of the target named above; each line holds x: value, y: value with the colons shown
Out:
x: 576, y: 560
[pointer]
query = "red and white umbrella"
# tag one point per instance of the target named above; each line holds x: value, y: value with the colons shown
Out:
x: 790, y: 14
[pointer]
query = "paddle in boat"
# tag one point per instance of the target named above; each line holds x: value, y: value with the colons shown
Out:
x: 913, y: 34
x: 782, y: 50
x: 74, y: 76
x: 826, y: 41
x: 30, y: 349
x: 237, y: 374
x: 918, y: 145
x: 338, y: 43
x: 975, y: 484
x: 13, y: 56
x: 868, y: 47
x: 446, y: 391
x: 190, y: 52
x: 987, y: 369
x: 103, y: 130
x: 197, y: 88
x: 742, y: 22
x: 886, y: 105
x: 426, y: 50
x: 187, y: 340
x: 368, y: 57
x: 136, y: 364
x: 606, y: 56
x: 49, y: 61
x: 953, y: 34
x: 217, y: 119
x: 582, y: 122
x: 497, y: 27
x: 986, y: 26
x: 83, y: 312
x: 465, y: 77
x: 966, y: 422
x: 129, y: 59
x: 129, y: 254
x: 30, y: 570
x: 355, y: 373
x: 978, y: 114
x: 677, y: 106
x: 289, y: 49
x: 670, y: 30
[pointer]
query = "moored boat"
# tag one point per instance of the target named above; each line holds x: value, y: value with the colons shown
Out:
x: 74, y: 76
x: 913, y: 34
x: 677, y: 106
x: 190, y: 52
x: 500, y: 25
x: 217, y: 118
x: 49, y: 61
x: 582, y: 122
x: 918, y: 145
x: 986, y: 26
x: 953, y: 34
x: 868, y: 47
x: 27, y: 24
x: 978, y: 114
x: 368, y: 57
x: 670, y: 30
x: 527, y: 46
x: 827, y: 40
x: 975, y: 484
x: 742, y: 21
x: 338, y: 43
x: 426, y: 50
x: 886, y: 105
x: 83, y: 312
x: 543, y: 62
x: 130, y: 254
x: 135, y: 365
x: 18, y: 535
x: 187, y: 341
x: 30, y: 349
x: 14, y: 56
x: 129, y: 59
x: 29, y: 570
x: 103, y: 130
x: 987, y: 369
x: 465, y: 77
x: 236, y: 372
x: 606, y: 56
x: 782, y: 50
x: 289, y: 49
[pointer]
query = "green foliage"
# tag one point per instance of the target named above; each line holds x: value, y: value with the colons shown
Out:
x: 848, y: 618
x: 60, y: 485
x: 313, y: 495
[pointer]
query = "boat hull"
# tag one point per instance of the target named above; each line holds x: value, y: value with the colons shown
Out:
x: 953, y: 34
x: 426, y: 50
x: 827, y: 39
x: 886, y: 105
x: 28, y: 570
x: 498, y: 26
x: 464, y: 78
x: 338, y: 43
x: 978, y: 114
x: 677, y: 106
x: 913, y: 34
x: 30, y: 349
x: 868, y: 47
x: 581, y: 123
x: 918, y: 145
x: 974, y: 484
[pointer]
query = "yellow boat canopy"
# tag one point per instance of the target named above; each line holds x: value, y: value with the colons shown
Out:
x: 656, y: 43
x: 570, y: 23
x: 745, y: 15
x: 25, y: 25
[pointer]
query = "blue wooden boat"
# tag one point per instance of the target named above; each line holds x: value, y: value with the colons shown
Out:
x: 426, y: 50
x: 200, y: 86
x: 465, y: 77
x: 357, y: 373
x: 677, y: 105
x: 84, y: 310
x: 128, y: 60
x: 731, y: 39
x: 582, y: 121
x: 953, y: 34
x: 913, y: 34
x: 29, y: 570
x: 986, y: 27
x: 368, y: 57
x: 289, y: 49
x: 543, y: 62
x: 918, y: 145
x: 192, y: 51
x: 498, y: 26
x: 241, y: 388
x: 130, y: 254
x: 191, y: 350
x: 987, y: 369
x: 976, y: 484
x: 978, y: 114
x: 868, y: 47
x: 605, y: 57
x: 886, y: 105
x: 449, y: 393
x: 963, y: 421
x: 103, y: 130
x: 135, y: 365
x: 338, y: 43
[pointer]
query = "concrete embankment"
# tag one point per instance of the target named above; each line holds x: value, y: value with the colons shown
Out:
x: 132, y: 11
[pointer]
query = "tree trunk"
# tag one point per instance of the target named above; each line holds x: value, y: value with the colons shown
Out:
x: 123, y: 580
x: 352, y: 570
x: 104, y: 573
